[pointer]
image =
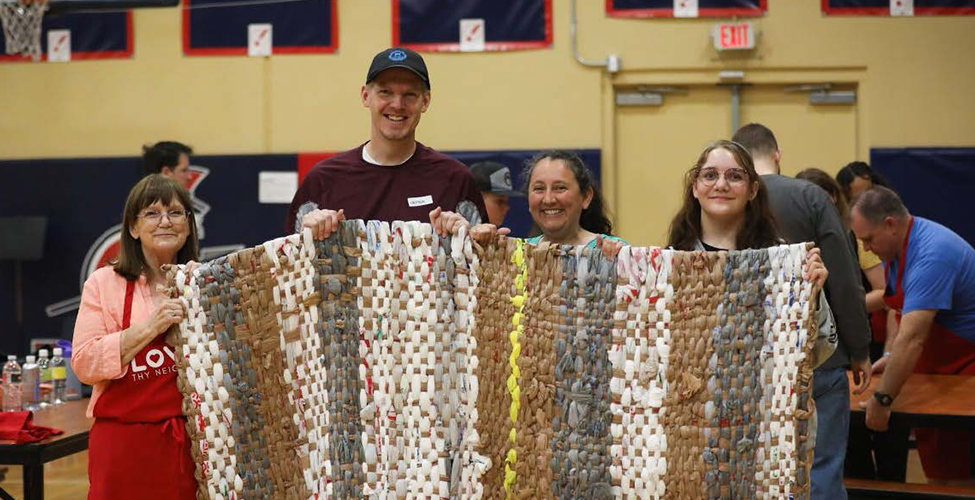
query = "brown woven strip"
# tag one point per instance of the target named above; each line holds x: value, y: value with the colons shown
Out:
x: 494, y: 311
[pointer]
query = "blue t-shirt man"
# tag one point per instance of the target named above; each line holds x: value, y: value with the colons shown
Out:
x: 939, y: 275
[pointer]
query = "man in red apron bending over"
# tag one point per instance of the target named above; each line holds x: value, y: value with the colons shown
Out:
x: 931, y: 289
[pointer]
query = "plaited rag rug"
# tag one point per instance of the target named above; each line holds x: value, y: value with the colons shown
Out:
x: 388, y: 362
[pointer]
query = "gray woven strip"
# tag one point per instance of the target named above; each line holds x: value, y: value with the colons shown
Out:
x: 735, y: 366
x: 221, y: 295
x: 581, y: 439
x: 339, y: 331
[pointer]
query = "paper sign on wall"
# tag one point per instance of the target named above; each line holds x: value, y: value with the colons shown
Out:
x: 276, y: 187
x: 901, y: 7
x: 259, y: 41
x: 59, y: 45
x: 472, y: 35
x: 685, y: 8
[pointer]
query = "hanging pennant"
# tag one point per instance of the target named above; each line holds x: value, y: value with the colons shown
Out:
x: 223, y: 27
x: 67, y: 36
x: 686, y: 8
x: 472, y: 25
x: 898, y: 8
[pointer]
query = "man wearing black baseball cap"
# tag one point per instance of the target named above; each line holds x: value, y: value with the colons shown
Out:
x: 398, y: 58
x: 392, y: 176
x: 494, y: 180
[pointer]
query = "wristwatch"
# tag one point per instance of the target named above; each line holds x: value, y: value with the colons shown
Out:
x: 883, y: 399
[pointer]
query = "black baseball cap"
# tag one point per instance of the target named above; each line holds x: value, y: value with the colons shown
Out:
x: 396, y: 57
x: 495, y: 178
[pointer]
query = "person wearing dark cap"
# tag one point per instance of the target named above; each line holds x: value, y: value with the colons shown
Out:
x: 494, y: 181
x: 391, y: 176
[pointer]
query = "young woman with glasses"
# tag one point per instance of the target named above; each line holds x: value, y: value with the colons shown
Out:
x: 726, y: 207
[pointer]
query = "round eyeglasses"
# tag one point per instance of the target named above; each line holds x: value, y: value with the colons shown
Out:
x: 174, y: 216
x: 733, y: 176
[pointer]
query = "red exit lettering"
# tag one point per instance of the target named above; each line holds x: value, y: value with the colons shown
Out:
x: 733, y: 36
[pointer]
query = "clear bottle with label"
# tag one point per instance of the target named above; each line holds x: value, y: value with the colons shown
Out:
x: 44, y: 364
x: 32, y: 384
x: 59, y: 375
x: 12, y: 385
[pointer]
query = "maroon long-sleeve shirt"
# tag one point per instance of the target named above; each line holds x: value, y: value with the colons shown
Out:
x: 374, y: 192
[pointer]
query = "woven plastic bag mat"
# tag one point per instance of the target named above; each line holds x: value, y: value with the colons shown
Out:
x: 388, y: 362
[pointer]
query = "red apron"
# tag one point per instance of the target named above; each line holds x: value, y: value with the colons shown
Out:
x: 878, y: 326
x: 137, y: 447
x: 945, y: 453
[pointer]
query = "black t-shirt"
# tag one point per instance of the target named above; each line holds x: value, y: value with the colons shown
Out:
x: 388, y: 193
x: 712, y: 248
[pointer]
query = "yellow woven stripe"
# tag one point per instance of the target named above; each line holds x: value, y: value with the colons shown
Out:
x: 518, y: 259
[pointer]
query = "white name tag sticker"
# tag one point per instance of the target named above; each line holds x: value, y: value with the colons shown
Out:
x: 419, y: 201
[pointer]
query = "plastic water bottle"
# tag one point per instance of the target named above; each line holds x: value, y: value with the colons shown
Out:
x: 11, y: 384
x: 59, y: 376
x: 44, y: 364
x: 31, y: 384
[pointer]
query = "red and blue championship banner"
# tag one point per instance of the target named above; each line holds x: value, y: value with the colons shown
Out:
x: 686, y: 8
x: 898, y: 7
x: 220, y: 27
x: 472, y: 25
x: 93, y: 35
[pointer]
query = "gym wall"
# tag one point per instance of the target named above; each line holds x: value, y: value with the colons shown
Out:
x: 913, y: 78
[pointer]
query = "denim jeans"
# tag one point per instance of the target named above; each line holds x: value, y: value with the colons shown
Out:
x: 831, y: 392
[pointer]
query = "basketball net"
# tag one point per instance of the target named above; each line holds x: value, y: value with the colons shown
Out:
x: 22, y: 26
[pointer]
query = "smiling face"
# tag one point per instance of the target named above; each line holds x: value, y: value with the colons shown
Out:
x: 396, y: 99
x: 161, y: 236
x: 555, y: 200
x: 722, y: 187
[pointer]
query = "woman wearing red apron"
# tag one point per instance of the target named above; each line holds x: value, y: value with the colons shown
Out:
x: 939, y: 288
x: 137, y: 445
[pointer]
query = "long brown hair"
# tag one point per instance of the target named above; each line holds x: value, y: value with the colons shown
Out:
x: 832, y: 188
x: 131, y: 263
x: 758, y: 229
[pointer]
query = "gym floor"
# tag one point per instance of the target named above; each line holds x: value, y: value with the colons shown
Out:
x: 67, y: 478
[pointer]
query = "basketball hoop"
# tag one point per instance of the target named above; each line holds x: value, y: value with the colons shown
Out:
x: 22, y: 26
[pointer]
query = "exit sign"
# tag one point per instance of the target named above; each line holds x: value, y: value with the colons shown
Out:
x: 733, y: 36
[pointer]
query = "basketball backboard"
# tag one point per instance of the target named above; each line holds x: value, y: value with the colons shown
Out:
x: 71, y: 29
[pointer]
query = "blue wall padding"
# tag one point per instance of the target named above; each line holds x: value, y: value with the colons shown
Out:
x: 935, y: 183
